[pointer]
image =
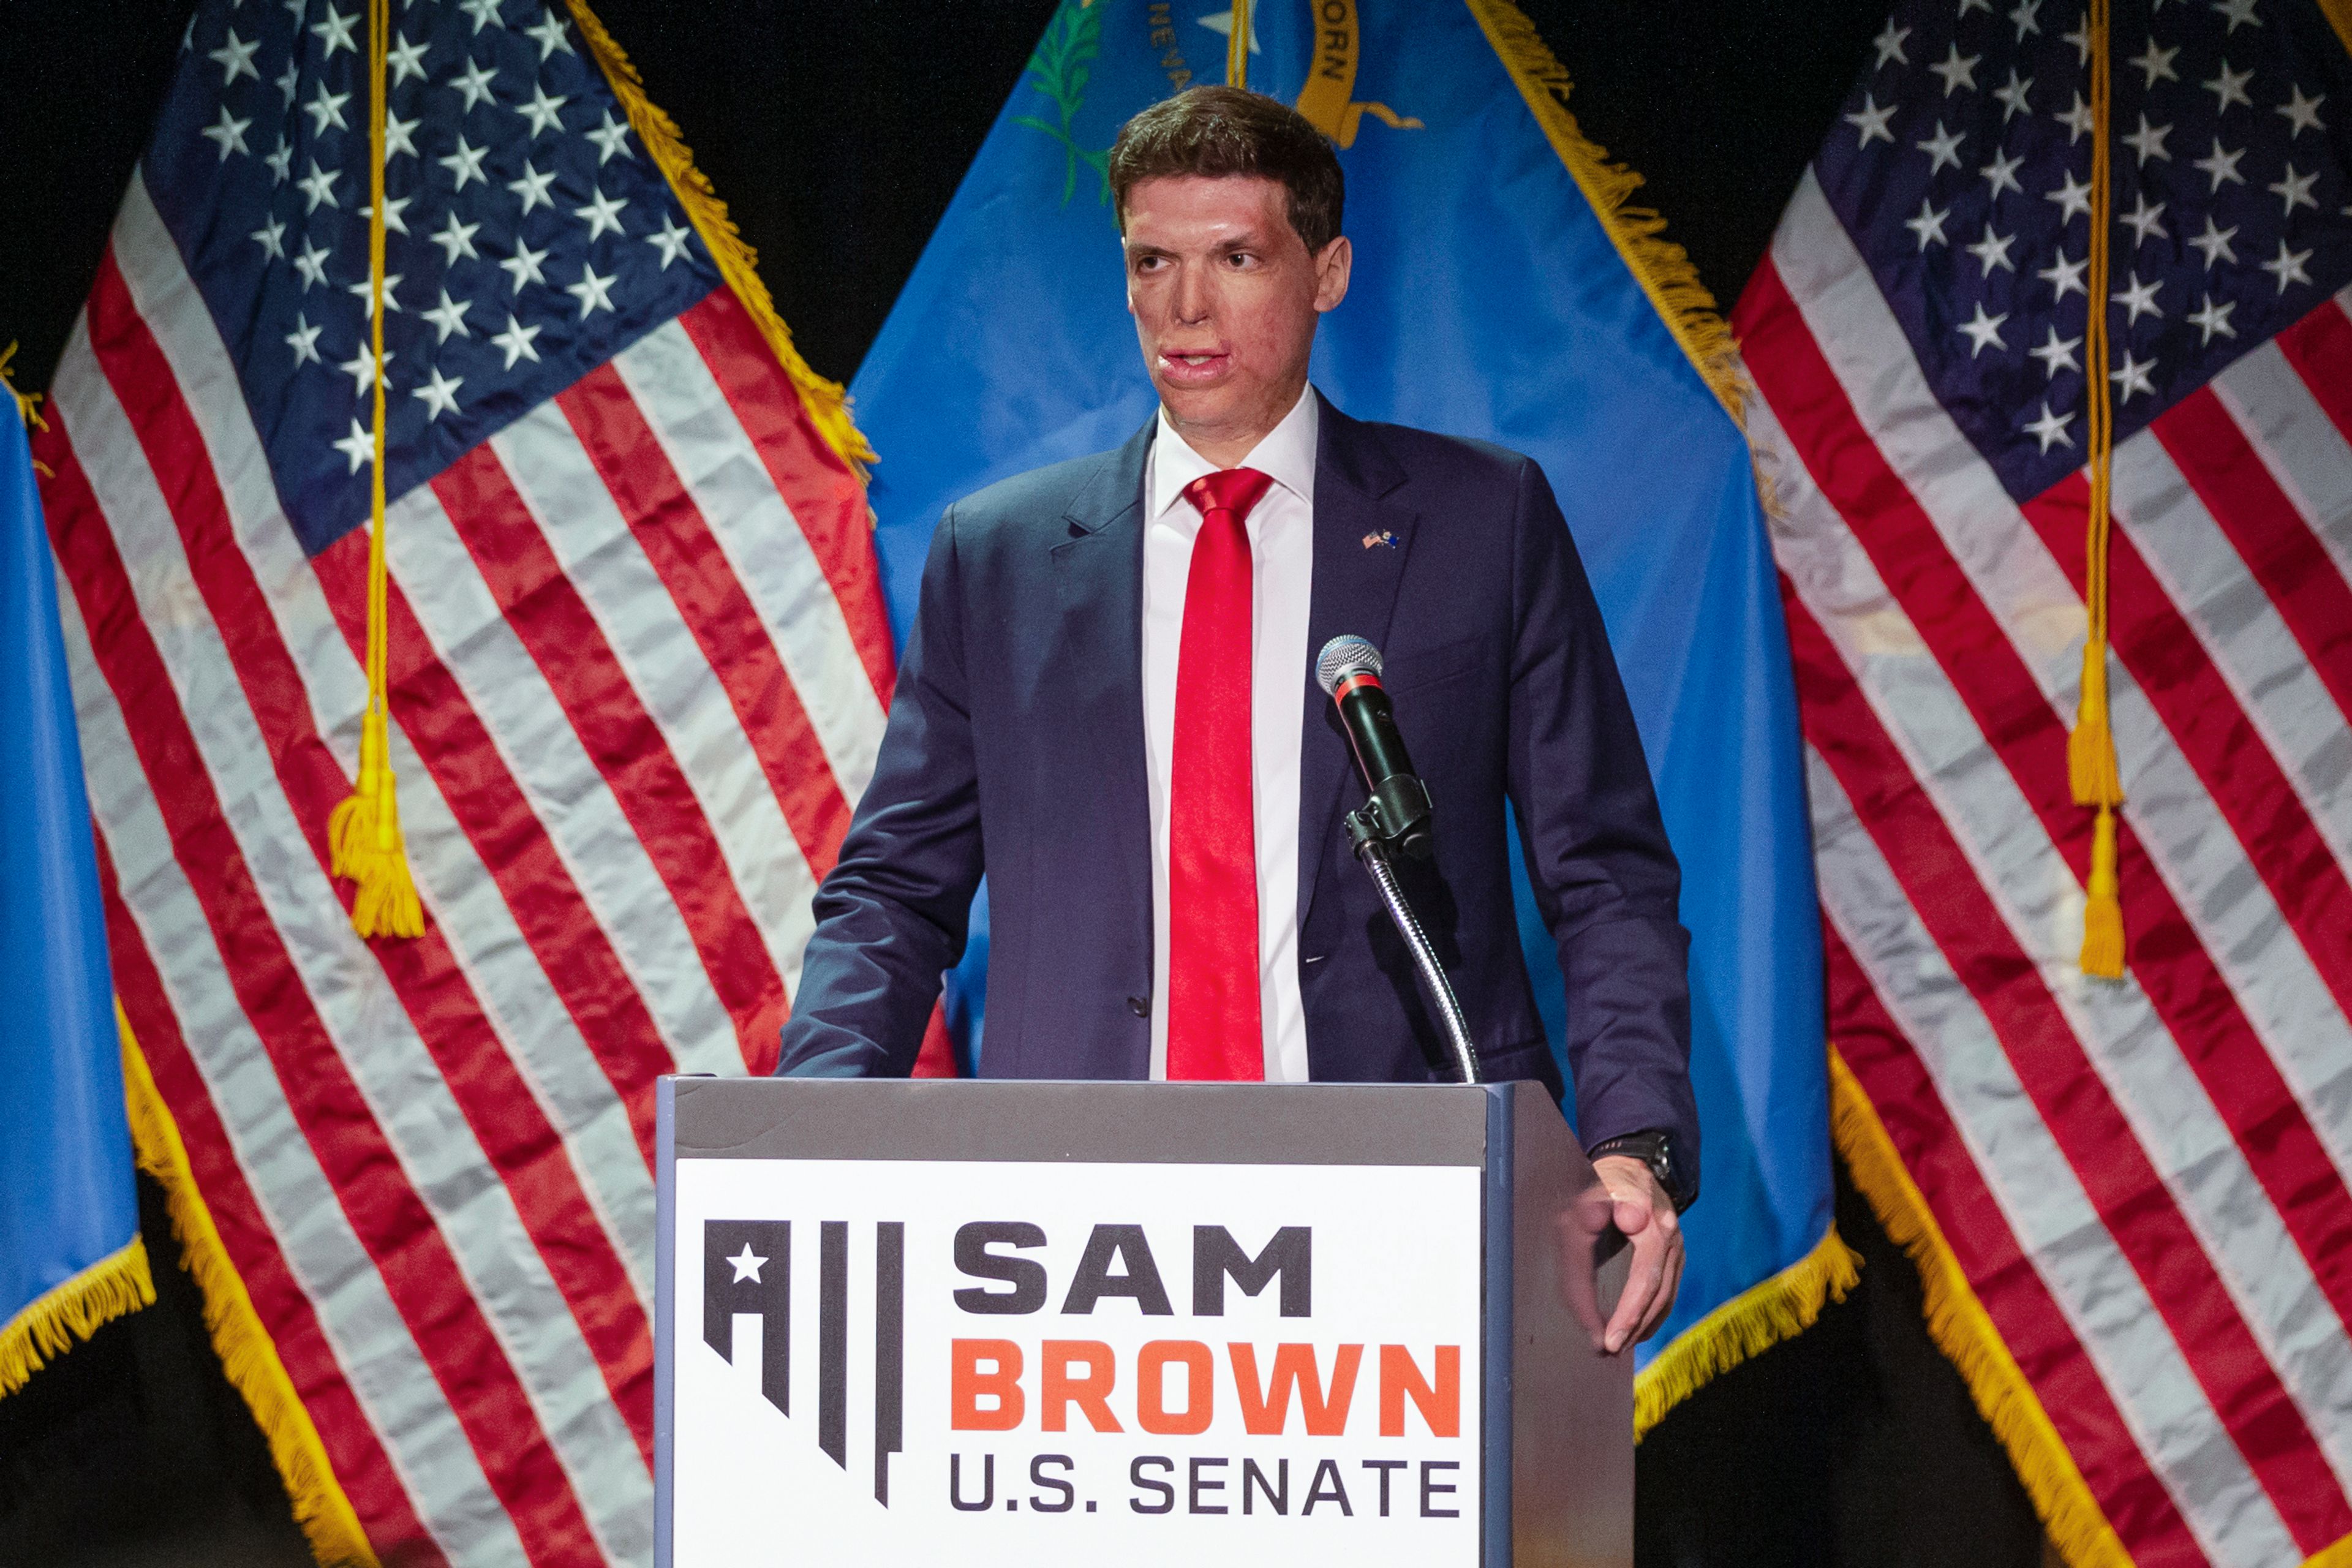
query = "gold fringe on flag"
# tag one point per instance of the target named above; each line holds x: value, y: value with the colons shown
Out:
x: 2092, y: 773
x: 363, y: 836
x: 826, y: 401
x: 1756, y: 1320
x: 1237, y: 46
x: 57, y: 1319
x: 1962, y: 1330
x: 247, y: 1354
x: 1662, y: 268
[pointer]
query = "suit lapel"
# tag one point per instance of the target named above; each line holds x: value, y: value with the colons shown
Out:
x: 1361, y: 542
x: 1097, y: 553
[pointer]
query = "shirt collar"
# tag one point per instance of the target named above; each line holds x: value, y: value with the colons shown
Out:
x: 1286, y: 455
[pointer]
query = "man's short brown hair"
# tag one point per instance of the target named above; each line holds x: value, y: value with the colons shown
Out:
x: 1222, y: 130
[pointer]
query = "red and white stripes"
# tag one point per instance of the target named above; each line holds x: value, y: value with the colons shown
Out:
x: 639, y: 663
x: 2146, y: 1182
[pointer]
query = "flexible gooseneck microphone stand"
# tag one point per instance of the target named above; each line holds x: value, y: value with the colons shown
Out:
x: 1374, y: 852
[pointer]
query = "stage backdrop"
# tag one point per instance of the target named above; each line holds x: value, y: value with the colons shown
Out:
x: 2117, y: 1148
x: 1501, y: 291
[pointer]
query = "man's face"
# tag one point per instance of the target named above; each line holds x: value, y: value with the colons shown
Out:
x: 1226, y: 297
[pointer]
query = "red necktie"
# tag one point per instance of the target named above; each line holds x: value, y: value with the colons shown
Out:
x: 1215, y: 1026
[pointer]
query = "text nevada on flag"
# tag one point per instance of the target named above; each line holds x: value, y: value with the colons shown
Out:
x: 2129, y: 1198
x: 1489, y: 300
x: 637, y: 660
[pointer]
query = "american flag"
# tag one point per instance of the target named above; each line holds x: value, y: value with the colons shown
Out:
x: 638, y: 662
x: 2128, y: 1197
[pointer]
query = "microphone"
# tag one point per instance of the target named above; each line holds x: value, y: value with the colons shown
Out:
x: 1397, y: 814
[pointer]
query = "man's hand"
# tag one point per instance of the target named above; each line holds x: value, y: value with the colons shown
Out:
x: 1639, y: 1208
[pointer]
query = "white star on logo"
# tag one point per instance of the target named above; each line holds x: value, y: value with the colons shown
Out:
x: 312, y: 264
x: 439, y: 395
x: 2215, y: 243
x: 2133, y: 378
x: 1871, y: 121
x: 1942, y: 148
x: 2072, y: 197
x: 1929, y: 225
x: 1983, y: 331
x: 549, y: 34
x: 466, y: 162
x: 406, y: 60
x: 324, y: 109
x: 670, y: 240
x: 235, y: 58
x: 457, y: 238
x: 516, y: 341
x: 532, y: 188
x: 272, y: 238
x: 474, y: 81
x: 229, y: 134
x: 593, y: 292
x: 359, y: 446
x: 524, y: 265
x: 2287, y: 267
x: 2301, y: 112
x: 2002, y: 173
x: 543, y: 112
x: 2209, y: 317
x: 2064, y: 277
x: 365, y: 290
x: 2230, y: 88
x: 2051, y: 428
x: 483, y: 12
x: 2057, y: 353
x: 611, y: 137
x: 1992, y: 250
x: 601, y: 214
x: 1957, y: 70
x: 304, y: 341
x: 319, y: 186
x: 747, y: 1266
x: 2139, y: 299
x: 449, y: 316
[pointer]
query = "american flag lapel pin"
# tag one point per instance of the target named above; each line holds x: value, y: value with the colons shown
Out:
x: 1383, y: 537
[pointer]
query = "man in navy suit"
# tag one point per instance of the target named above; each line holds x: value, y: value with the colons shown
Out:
x: 1107, y: 704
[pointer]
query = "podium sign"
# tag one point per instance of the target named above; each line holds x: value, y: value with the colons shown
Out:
x: 1007, y: 1323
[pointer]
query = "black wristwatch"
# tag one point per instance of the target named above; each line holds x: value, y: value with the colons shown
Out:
x: 1657, y: 1150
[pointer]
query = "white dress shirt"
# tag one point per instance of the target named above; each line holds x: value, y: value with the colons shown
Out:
x: 1281, y: 550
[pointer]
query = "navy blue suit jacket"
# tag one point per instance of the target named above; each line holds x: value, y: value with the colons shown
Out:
x: 1016, y: 745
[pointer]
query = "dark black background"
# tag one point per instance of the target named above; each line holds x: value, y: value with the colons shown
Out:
x: 836, y: 130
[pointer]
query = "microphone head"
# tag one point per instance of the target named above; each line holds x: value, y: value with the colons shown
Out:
x: 1343, y: 657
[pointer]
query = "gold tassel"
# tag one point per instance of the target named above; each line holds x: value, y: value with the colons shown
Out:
x: 2091, y: 770
x: 364, y: 837
x: 2102, y: 910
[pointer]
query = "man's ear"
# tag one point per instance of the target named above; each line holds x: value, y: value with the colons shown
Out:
x: 1331, y: 264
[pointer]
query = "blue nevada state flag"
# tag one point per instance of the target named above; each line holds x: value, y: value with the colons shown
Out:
x: 1500, y: 292
x: 70, y: 1256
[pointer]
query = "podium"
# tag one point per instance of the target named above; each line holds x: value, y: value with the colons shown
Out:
x: 1217, y: 1325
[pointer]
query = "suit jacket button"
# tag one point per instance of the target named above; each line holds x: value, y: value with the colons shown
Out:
x: 1139, y: 1005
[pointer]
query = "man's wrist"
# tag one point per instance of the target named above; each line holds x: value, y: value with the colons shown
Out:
x: 1661, y: 1152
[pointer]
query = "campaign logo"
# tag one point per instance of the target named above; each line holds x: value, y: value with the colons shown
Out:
x: 747, y: 1271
